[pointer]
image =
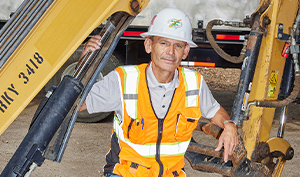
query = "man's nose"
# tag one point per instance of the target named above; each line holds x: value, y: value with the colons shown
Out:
x: 170, y: 50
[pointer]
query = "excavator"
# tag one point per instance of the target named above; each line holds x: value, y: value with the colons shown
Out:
x: 35, y: 43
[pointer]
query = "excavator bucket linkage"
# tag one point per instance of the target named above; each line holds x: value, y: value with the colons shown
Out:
x: 274, y: 27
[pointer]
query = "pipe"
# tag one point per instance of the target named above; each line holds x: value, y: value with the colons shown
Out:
x: 294, y: 47
x: 282, y: 122
x: 216, y: 47
x: 294, y: 51
x: 88, y: 59
x: 204, y: 149
x: 47, y: 123
x: 282, y: 103
x: 85, y: 93
x: 247, y: 73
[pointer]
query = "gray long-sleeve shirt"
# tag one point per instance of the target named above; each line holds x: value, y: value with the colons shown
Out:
x: 105, y: 96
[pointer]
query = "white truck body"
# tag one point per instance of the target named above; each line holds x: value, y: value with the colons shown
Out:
x: 130, y: 49
x: 7, y: 7
x: 206, y: 10
x: 200, y: 13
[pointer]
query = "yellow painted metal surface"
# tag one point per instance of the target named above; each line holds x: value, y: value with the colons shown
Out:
x: 270, y: 64
x: 62, y: 28
x: 280, y: 145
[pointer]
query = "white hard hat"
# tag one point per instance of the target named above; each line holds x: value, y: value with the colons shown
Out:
x: 171, y: 23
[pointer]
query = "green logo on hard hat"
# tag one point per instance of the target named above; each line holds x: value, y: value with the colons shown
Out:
x: 175, y: 23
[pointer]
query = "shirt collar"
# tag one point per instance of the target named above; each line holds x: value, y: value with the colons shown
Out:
x: 152, y: 81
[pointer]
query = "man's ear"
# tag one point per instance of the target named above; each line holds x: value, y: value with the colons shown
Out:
x: 186, y: 51
x: 148, y: 45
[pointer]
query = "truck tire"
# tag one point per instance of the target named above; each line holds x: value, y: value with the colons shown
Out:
x: 69, y: 67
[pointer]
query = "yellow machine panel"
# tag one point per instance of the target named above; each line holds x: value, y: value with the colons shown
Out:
x: 48, y: 45
x: 268, y: 73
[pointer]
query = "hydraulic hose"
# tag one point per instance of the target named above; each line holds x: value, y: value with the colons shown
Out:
x: 282, y: 103
x: 85, y: 93
x: 216, y: 47
x: 295, y: 52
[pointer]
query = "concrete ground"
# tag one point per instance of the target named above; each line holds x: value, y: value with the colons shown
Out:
x: 89, y: 143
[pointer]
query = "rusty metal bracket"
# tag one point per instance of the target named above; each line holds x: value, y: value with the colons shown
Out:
x: 209, y: 129
x: 280, y: 35
x: 205, y: 158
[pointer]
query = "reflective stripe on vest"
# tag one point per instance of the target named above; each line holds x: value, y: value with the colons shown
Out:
x: 130, y: 98
x: 191, y: 87
x: 131, y: 89
x: 149, y: 150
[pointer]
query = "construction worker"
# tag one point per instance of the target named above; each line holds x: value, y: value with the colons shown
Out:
x: 157, y: 105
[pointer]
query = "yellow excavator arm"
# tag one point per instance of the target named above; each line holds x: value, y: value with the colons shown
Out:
x: 37, y: 41
x: 26, y: 68
x: 270, y: 57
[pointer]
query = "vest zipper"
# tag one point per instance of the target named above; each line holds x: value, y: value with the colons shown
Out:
x: 159, y: 128
x: 157, y: 156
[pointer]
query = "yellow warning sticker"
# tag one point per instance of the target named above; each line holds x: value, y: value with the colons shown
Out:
x: 271, y: 91
x: 273, y: 78
x: 272, y: 84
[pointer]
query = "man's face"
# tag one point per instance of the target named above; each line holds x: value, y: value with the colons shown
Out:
x: 166, y: 53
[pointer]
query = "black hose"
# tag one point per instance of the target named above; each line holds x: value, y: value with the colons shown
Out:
x: 285, y: 102
x: 215, y: 46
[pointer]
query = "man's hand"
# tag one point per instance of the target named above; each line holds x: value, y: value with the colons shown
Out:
x: 229, y: 139
x: 92, y: 44
x: 83, y: 107
x: 229, y: 136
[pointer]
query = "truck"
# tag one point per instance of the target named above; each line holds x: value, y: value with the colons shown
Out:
x: 46, y: 44
x: 130, y: 48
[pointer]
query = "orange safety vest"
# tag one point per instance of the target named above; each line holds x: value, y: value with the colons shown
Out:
x: 150, y: 146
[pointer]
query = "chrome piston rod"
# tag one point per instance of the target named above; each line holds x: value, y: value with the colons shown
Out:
x: 80, y: 72
x: 19, y: 25
x: 88, y: 58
